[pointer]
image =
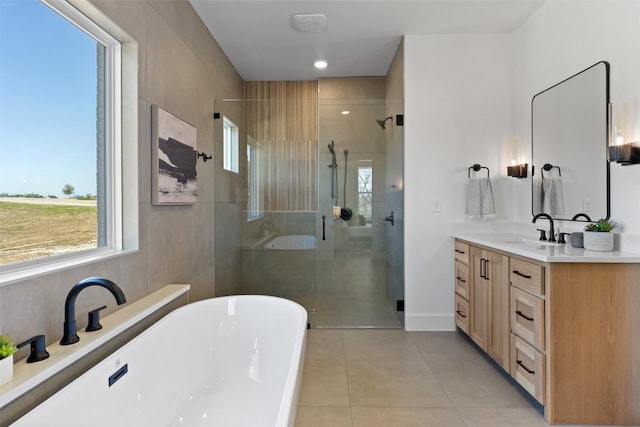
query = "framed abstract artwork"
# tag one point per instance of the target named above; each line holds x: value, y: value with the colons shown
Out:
x: 174, y: 152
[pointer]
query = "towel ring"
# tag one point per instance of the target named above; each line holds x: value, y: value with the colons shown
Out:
x: 476, y: 167
x: 547, y: 167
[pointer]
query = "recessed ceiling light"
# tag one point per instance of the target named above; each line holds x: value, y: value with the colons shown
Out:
x: 320, y: 64
x: 345, y: 112
x: 309, y: 22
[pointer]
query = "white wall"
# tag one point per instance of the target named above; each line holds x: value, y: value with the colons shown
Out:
x: 457, y: 105
x: 468, y: 100
x: 562, y: 38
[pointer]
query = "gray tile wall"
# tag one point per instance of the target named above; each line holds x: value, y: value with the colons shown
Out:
x: 183, y: 70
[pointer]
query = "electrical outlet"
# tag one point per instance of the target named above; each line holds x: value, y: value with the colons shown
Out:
x: 436, y: 205
x: 586, y: 205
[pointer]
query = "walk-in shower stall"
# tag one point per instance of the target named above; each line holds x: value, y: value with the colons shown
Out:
x: 315, y: 160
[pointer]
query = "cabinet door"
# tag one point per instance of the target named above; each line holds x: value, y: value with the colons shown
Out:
x: 498, y: 330
x: 479, y: 297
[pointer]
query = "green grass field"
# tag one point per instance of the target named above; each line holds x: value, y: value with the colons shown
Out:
x: 34, y: 230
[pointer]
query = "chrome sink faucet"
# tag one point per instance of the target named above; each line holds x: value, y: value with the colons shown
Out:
x: 552, y: 233
x: 70, y: 336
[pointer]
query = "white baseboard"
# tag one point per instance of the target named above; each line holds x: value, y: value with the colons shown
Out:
x: 429, y: 322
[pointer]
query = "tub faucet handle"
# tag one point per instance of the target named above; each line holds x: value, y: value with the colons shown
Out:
x: 94, y: 319
x: 38, y: 348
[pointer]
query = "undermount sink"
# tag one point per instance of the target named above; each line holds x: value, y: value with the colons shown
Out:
x: 519, y: 239
x: 513, y: 239
x: 540, y: 242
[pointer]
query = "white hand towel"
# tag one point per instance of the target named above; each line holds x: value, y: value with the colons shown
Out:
x: 552, y: 196
x: 480, y: 199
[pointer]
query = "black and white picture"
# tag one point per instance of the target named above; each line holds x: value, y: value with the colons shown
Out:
x: 174, y: 159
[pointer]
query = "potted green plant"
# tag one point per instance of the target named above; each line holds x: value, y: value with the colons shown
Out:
x: 7, y: 348
x: 598, y: 236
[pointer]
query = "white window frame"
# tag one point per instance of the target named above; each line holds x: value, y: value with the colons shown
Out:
x: 121, y: 144
x: 370, y: 192
x: 254, y: 205
x: 231, y: 146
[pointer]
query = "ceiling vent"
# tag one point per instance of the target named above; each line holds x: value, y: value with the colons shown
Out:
x: 309, y: 22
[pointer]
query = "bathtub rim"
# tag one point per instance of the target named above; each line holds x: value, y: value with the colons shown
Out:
x: 291, y: 391
x: 287, y: 237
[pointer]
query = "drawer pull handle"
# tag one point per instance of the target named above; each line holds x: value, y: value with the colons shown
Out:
x: 461, y: 279
x: 519, y: 362
x: 459, y: 251
x: 519, y: 313
x: 521, y: 275
x: 460, y: 314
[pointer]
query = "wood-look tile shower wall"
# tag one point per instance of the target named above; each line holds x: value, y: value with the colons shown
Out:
x: 282, y: 119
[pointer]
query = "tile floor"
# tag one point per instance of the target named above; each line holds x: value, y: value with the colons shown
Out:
x: 339, y: 289
x: 351, y: 292
x: 377, y: 377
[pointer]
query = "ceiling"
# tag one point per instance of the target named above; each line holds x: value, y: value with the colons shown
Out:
x: 361, y: 38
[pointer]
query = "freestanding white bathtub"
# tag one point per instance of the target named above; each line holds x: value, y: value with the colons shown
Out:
x: 227, y: 361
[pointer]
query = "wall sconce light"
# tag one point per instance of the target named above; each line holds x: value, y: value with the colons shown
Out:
x: 624, y: 153
x: 517, y: 171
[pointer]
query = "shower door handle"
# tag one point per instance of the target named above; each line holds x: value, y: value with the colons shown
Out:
x: 390, y: 219
x: 323, y: 227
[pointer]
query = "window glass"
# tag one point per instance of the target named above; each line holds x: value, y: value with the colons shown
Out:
x: 365, y: 185
x: 230, y: 148
x: 54, y: 145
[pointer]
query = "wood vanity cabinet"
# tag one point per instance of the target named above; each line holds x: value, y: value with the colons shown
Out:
x: 487, y: 300
x: 573, y: 339
x: 527, y: 314
x: 463, y: 314
x: 592, y: 325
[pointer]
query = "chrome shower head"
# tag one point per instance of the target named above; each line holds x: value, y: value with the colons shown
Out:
x: 382, y: 123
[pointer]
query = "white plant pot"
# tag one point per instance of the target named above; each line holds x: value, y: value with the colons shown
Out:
x: 6, y: 370
x: 598, y: 241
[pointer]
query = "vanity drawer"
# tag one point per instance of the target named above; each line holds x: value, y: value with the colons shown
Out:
x: 527, y: 276
x: 462, y: 314
x: 462, y: 252
x: 528, y: 367
x: 527, y: 317
x: 462, y: 280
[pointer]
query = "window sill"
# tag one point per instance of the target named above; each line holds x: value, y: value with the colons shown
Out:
x: 30, y: 270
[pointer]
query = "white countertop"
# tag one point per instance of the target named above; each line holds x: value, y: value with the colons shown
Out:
x: 547, y: 252
x: 29, y: 375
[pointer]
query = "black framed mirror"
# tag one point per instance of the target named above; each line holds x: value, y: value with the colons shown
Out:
x: 570, y: 130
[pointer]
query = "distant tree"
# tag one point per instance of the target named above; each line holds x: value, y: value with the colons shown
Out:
x: 68, y: 190
x: 89, y: 196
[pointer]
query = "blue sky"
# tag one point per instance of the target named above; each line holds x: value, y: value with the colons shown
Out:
x: 47, y: 102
